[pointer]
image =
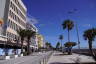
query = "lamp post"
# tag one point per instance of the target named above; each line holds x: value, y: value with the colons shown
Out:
x: 75, y: 10
x: 78, y: 37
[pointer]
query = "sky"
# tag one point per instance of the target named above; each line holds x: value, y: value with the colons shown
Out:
x: 48, y: 16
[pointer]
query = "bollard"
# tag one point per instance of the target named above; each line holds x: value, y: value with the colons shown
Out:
x: 43, y: 60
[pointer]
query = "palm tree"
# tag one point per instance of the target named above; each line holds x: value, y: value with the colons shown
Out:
x: 90, y: 35
x: 58, y: 45
x: 29, y: 34
x: 61, y: 38
x: 22, y: 34
x: 68, y: 24
x: 48, y: 45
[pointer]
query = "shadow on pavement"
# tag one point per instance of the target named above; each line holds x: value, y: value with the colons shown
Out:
x: 73, y: 63
x: 59, y: 54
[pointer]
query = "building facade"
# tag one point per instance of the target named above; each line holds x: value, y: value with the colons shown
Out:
x: 33, y: 42
x: 13, y: 16
x: 40, y: 39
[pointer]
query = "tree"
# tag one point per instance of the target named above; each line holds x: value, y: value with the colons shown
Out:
x: 48, y: 45
x: 29, y: 34
x: 90, y: 35
x: 61, y: 38
x: 68, y: 24
x: 57, y: 45
x: 22, y: 34
x: 69, y: 45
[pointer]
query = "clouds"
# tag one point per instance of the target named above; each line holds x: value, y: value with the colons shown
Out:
x: 32, y: 19
x: 41, y: 25
x: 87, y: 25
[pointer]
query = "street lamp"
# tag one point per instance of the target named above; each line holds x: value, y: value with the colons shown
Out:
x: 78, y: 37
x: 74, y: 10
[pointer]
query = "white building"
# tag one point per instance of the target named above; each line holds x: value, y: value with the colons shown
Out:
x: 33, y: 42
x: 13, y: 14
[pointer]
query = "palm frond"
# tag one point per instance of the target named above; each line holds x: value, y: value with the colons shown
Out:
x: 90, y: 34
x: 68, y: 24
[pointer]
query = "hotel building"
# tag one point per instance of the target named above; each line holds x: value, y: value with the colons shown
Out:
x: 33, y: 41
x: 13, y: 17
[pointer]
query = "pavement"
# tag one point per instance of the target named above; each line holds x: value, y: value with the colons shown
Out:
x: 60, y: 58
x: 34, y: 58
x: 56, y: 58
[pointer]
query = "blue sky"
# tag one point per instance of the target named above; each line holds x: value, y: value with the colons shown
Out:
x: 48, y: 16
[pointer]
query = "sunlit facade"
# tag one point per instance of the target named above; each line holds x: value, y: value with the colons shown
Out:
x: 33, y: 42
x: 13, y: 16
x: 40, y: 40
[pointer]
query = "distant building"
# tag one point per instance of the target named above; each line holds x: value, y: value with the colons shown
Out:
x: 40, y: 39
x: 33, y: 42
x: 13, y: 16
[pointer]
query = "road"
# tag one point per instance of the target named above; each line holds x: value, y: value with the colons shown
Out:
x: 35, y: 58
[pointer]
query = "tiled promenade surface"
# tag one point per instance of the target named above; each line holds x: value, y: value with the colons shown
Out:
x: 59, y: 58
x: 35, y: 58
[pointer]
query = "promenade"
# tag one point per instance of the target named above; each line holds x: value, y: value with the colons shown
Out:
x: 59, y: 58
x: 35, y: 58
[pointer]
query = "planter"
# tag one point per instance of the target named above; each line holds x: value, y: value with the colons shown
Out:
x: 16, y: 56
x: 7, y: 57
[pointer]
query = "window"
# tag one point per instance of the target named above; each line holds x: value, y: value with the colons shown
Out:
x: 8, y: 23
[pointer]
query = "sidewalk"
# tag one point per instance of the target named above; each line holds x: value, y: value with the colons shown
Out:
x: 59, y: 58
x: 35, y: 58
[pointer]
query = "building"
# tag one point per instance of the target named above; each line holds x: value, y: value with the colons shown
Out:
x: 40, y: 41
x: 13, y: 16
x: 33, y: 42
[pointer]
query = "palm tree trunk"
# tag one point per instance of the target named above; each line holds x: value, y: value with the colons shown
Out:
x: 68, y: 36
x: 21, y: 46
x: 91, y: 50
x: 69, y: 52
x: 28, y: 47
